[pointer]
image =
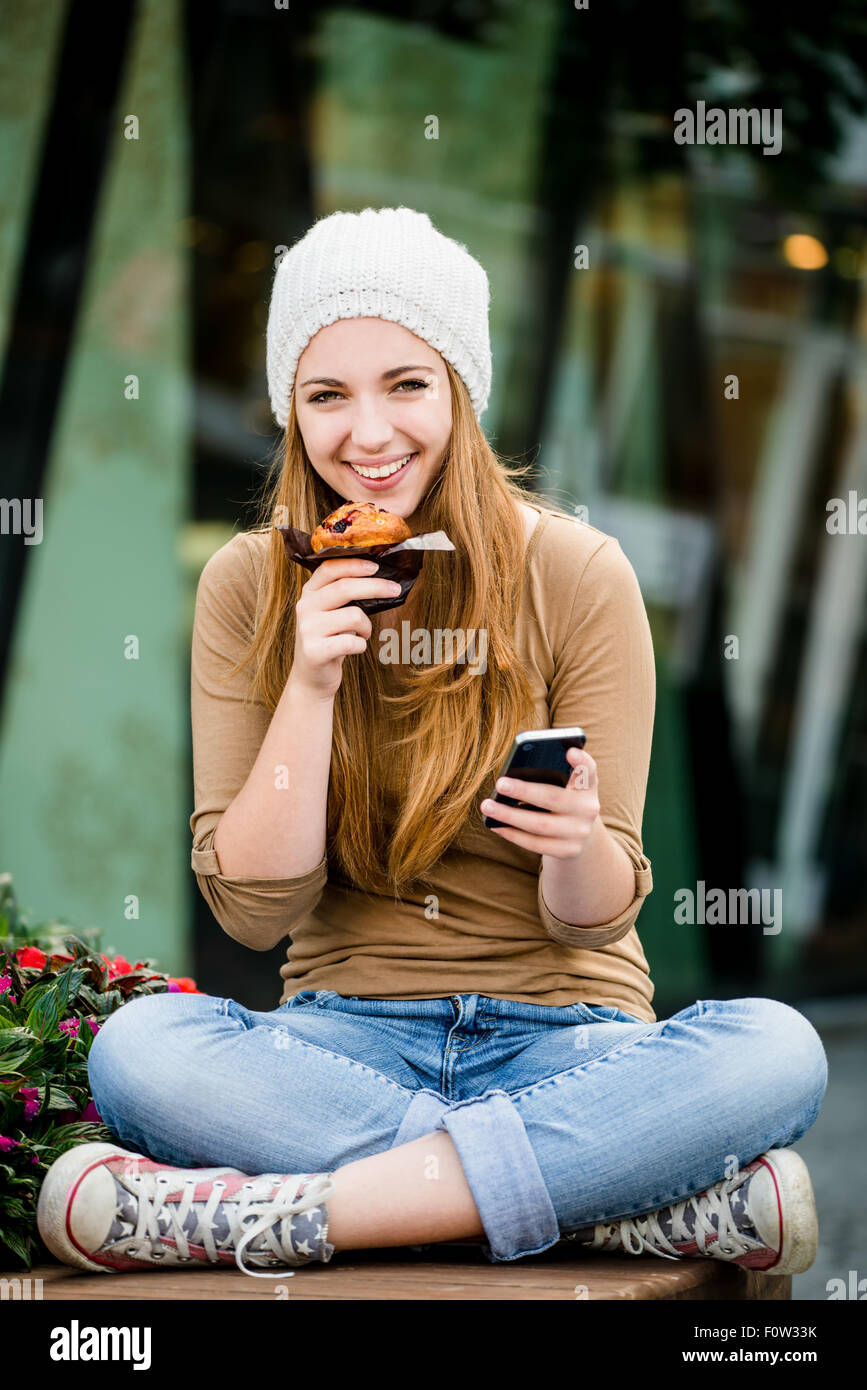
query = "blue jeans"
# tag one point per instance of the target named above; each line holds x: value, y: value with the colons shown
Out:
x: 561, y: 1117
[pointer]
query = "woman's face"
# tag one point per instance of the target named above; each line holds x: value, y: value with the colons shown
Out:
x: 369, y: 393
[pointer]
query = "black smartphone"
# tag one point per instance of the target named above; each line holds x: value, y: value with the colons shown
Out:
x: 538, y: 756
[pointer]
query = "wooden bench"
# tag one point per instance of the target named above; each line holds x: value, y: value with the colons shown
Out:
x: 447, y: 1272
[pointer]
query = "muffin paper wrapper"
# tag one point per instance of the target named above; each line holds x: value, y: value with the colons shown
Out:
x: 401, y: 562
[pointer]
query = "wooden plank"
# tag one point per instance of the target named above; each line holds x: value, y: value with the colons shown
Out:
x: 431, y: 1276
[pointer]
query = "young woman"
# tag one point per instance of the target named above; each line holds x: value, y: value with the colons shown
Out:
x: 465, y: 1048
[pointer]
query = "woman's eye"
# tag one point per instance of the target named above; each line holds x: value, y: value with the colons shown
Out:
x: 415, y: 384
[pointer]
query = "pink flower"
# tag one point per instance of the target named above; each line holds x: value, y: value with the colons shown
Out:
x: 7, y: 1145
x: 174, y: 988
x: 91, y: 1114
x: 31, y: 1101
x: 5, y: 982
x: 70, y: 1026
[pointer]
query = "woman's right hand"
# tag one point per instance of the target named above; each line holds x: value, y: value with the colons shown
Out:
x: 325, y: 631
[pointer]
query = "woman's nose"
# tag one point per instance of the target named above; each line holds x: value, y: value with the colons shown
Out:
x: 371, y: 429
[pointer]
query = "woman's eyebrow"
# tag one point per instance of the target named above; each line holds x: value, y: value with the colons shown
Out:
x: 386, y: 376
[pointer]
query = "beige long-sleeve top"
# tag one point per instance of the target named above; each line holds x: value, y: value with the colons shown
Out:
x: 583, y: 634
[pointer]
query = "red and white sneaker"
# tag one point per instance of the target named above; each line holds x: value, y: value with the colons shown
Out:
x: 763, y: 1218
x: 104, y: 1208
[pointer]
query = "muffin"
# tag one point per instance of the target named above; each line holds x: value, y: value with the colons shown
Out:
x: 360, y: 523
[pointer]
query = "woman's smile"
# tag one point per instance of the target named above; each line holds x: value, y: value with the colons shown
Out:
x: 387, y: 476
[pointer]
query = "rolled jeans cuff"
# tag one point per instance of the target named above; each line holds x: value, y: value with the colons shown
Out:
x: 499, y: 1165
x: 422, y: 1117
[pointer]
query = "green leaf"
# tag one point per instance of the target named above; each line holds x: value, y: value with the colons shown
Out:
x: 13, y: 1056
x: 35, y: 991
x: 127, y: 984
x: 44, y: 1016
x: 80, y: 1132
x: 94, y: 971
x: 17, y: 1246
x: 51, y: 1002
x: 92, y: 998
x: 60, y: 1100
x: 78, y: 947
x: 64, y: 983
x: 76, y: 974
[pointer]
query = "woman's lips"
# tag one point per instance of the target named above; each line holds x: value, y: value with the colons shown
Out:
x: 382, y: 484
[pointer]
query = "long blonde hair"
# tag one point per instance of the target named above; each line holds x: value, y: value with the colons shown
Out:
x: 449, y: 727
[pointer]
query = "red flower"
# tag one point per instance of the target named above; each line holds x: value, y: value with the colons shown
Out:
x: 185, y: 984
x: 118, y: 966
x: 32, y: 956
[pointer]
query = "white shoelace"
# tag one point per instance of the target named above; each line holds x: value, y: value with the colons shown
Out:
x: 640, y: 1233
x: 151, y: 1190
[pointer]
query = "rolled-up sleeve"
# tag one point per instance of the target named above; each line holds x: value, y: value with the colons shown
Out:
x: 228, y: 727
x: 605, y: 681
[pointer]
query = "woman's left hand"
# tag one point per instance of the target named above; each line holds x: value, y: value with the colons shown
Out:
x: 573, y: 810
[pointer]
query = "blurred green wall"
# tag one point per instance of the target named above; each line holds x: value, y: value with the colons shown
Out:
x: 93, y: 762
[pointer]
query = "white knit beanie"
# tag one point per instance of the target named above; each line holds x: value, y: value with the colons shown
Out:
x: 387, y: 263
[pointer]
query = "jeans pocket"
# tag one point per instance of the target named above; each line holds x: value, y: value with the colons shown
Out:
x: 304, y: 996
x: 619, y: 1016
x: 604, y: 1013
x: 591, y: 1013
